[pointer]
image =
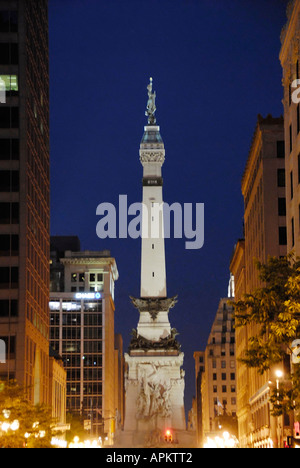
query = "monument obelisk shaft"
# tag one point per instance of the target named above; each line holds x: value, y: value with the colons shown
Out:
x: 152, y: 156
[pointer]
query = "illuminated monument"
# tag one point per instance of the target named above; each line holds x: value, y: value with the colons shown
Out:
x: 154, y: 382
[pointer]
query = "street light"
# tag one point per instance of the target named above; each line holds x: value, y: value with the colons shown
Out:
x: 279, y: 375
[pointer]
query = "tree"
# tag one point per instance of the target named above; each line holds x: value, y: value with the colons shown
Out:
x: 273, y: 310
x: 32, y: 424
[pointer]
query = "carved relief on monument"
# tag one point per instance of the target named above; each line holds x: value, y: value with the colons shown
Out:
x: 168, y: 343
x: 154, y: 392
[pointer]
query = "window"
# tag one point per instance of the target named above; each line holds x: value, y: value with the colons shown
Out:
x: 281, y: 178
x: 92, y: 277
x: 8, y: 21
x: 214, y: 376
x: 215, y: 389
x: 282, y: 235
x: 9, y: 53
x: 9, y: 149
x: 223, y: 376
x: 9, y: 244
x: 74, y: 277
x: 10, y: 83
x: 81, y: 277
x: 100, y: 277
x: 9, y: 277
x: 224, y: 388
x: 223, y: 364
x: 9, y: 117
x: 232, y: 376
x: 293, y: 231
x: 281, y: 207
x: 298, y: 118
x: 9, y: 181
x: 10, y: 346
x: 299, y: 168
x: 280, y: 149
x: 9, y: 213
x: 8, y: 308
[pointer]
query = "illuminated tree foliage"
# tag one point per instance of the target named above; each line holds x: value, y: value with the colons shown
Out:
x: 273, y: 312
x: 34, y: 422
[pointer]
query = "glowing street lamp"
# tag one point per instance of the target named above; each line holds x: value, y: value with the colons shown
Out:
x: 279, y: 375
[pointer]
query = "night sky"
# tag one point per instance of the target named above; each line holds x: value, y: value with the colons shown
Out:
x: 215, y: 66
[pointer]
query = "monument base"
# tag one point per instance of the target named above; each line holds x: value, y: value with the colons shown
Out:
x: 154, y: 389
x: 155, y: 439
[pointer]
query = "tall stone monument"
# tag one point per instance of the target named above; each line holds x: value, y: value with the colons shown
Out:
x: 154, y: 380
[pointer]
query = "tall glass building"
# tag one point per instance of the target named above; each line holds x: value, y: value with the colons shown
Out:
x: 82, y: 332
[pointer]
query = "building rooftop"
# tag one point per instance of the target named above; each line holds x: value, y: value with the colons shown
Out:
x: 87, y: 254
x: 261, y: 122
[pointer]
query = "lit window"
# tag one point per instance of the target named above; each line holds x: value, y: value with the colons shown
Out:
x: 10, y: 82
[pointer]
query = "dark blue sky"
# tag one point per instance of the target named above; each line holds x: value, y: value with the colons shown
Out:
x: 215, y: 66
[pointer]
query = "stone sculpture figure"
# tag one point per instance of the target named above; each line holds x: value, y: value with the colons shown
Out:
x: 151, y: 107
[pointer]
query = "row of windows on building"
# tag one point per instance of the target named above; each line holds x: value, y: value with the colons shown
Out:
x: 80, y: 277
x: 89, y: 333
x: 75, y: 320
x: 224, y: 389
x: 223, y: 341
x: 225, y: 403
x: 280, y: 153
x: 224, y: 376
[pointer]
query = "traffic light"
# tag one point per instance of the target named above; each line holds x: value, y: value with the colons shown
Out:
x: 168, y: 436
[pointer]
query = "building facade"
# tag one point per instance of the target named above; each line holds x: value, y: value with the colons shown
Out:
x: 218, y: 385
x: 290, y: 61
x: 24, y: 194
x: 58, y: 387
x: 199, y: 357
x: 237, y: 269
x: 264, y: 193
x: 82, y: 332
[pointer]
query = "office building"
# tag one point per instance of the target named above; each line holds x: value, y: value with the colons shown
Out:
x: 24, y: 194
x: 218, y: 382
x: 82, y: 332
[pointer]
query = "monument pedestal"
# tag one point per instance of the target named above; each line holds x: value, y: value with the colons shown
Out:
x: 154, y: 381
